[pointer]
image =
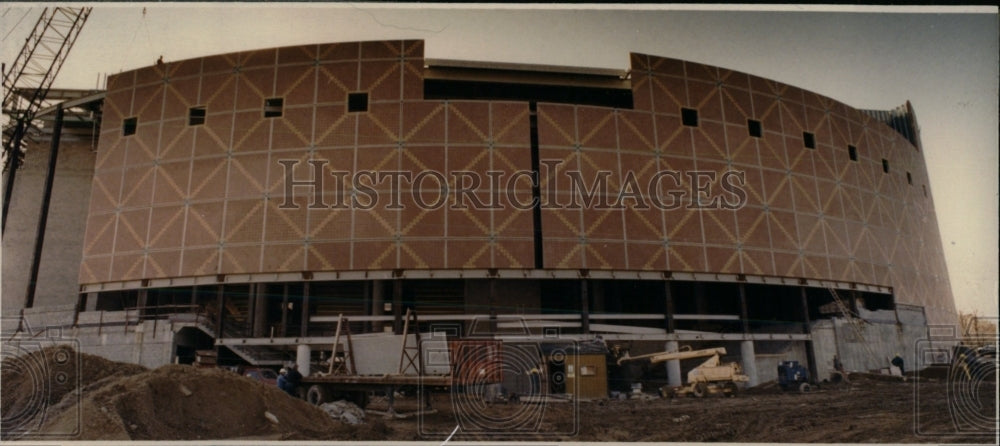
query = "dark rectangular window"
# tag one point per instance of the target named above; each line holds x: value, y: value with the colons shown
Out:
x: 909, y: 179
x: 196, y: 115
x: 852, y: 152
x: 689, y: 117
x: 809, y: 140
x: 754, y: 128
x: 129, y: 125
x: 885, y: 165
x: 273, y: 107
x: 357, y: 102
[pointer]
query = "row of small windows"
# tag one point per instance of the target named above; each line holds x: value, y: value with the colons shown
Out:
x: 358, y: 102
x: 273, y: 108
x: 689, y: 117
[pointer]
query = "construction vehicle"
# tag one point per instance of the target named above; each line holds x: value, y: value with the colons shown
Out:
x: 711, y: 376
x: 792, y: 375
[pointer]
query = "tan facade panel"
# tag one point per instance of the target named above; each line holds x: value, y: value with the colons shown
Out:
x: 749, y: 175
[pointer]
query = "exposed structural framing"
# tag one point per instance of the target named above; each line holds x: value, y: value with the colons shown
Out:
x: 307, y: 276
x: 27, y: 81
x: 626, y: 309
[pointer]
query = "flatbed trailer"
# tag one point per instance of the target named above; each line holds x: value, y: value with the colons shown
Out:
x: 320, y: 389
x: 342, y: 381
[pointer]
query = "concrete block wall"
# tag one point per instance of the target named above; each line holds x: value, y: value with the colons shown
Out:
x: 869, y: 347
x: 63, y: 247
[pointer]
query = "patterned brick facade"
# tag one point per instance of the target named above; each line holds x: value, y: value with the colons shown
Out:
x: 175, y: 199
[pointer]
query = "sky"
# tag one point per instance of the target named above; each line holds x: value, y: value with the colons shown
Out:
x: 943, y: 60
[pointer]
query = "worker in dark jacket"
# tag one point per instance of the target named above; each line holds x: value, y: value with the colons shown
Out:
x: 293, y: 379
x: 898, y: 362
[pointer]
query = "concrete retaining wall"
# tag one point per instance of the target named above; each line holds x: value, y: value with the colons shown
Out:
x: 141, y: 344
x: 149, y: 343
x: 865, y: 346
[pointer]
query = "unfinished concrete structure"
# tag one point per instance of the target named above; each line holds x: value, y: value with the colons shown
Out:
x: 224, y: 206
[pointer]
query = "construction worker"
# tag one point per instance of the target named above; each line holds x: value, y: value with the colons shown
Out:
x: 536, y: 380
x: 283, y: 380
x: 898, y: 362
x: 292, y: 380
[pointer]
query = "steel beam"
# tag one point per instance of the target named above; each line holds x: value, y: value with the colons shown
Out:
x: 43, y: 218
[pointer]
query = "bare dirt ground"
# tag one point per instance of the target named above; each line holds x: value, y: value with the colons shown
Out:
x: 863, y: 411
x: 125, y: 402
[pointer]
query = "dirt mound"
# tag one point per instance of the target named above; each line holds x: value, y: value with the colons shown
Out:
x: 36, y: 383
x: 178, y: 402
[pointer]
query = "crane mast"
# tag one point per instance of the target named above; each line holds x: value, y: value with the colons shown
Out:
x: 27, y: 81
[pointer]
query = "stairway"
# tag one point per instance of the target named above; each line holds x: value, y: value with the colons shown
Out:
x: 260, y: 355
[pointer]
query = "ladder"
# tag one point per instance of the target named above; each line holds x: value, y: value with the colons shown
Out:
x: 854, y: 321
x: 342, y: 365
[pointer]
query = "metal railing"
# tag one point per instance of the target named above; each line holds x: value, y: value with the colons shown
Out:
x: 134, y: 316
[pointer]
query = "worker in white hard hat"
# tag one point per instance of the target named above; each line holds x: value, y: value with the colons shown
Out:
x: 283, y: 380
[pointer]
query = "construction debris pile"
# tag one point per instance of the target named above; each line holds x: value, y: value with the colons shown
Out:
x: 175, y: 402
x: 345, y: 411
x: 30, y: 386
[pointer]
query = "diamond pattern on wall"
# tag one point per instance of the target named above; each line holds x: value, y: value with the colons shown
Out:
x: 175, y: 199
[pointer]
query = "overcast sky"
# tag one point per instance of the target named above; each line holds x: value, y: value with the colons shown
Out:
x: 943, y: 61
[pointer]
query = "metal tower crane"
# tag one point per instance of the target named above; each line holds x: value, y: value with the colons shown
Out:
x: 27, y: 81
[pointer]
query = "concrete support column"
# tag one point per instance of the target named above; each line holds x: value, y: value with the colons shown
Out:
x: 749, y: 362
x: 668, y: 312
x: 305, y: 310
x: 284, y: 310
x: 584, y: 307
x: 377, y: 305
x: 302, y: 358
x: 853, y: 303
x: 597, y: 289
x: 673, y: 366
x: 397, y: 306
x: 220, y: 319
x: 744, y: 313
x: 810, y: 350
x: 700, y: 302
x: 492, y: 304
x: 249, y: 316
x: 260, y: 310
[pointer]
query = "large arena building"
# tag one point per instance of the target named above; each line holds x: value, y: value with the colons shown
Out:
x: 241, y: 202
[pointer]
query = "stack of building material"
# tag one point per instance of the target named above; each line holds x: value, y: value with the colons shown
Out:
x: 205, y: 358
